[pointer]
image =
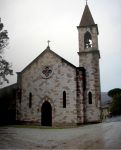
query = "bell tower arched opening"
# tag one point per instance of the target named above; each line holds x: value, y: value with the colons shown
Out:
x: 87, y: 40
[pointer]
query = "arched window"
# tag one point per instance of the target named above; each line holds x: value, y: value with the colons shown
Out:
x: 90, y: 97
x: 87, y: 40
x: 64, y: 99
x: 30, y: 100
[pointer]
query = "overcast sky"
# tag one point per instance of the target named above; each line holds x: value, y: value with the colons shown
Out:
x: 30, y: 23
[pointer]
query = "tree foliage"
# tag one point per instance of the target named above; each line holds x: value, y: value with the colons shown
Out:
x: 115, y: 107
x: 5, y: 70
x: 3, y: 37
x: 114, y: 92
x: 4, y: 65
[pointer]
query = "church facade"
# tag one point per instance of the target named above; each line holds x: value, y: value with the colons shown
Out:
x: 53, y: 92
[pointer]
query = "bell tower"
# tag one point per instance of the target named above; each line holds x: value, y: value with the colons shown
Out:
x: 89, y: 56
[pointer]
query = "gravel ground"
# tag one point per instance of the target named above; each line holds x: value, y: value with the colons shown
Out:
x: 104, y: 135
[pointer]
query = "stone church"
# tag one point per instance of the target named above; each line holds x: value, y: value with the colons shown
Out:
x: 54, y: 92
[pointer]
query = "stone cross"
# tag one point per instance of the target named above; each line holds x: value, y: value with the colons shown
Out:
x: 86, y: 2
x: 48, y: 42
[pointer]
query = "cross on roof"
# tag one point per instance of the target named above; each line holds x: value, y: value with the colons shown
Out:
x: 86, y: 2
x: 48, y: 42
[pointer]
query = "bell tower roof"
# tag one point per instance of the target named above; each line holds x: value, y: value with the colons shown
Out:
x: 87, y: 19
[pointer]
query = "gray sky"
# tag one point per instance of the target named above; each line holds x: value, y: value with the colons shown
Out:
x: 30, y: 23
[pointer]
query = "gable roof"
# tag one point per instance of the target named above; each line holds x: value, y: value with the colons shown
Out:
x: 87, y: 19
x: 45, y: 51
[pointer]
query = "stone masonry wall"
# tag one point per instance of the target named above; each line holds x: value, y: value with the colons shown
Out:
x: 63, y: 78
x: 89, y: 59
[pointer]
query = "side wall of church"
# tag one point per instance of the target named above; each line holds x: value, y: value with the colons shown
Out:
x: 50, y: 89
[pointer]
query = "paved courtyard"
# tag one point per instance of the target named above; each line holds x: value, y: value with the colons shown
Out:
x: 103, y: 135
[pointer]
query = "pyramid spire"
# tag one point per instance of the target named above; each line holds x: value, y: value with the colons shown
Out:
x: 87, y: 19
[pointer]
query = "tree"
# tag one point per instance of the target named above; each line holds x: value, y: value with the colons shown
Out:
x: 3, y: 37
x: 4, y: 65
x: 114, y: 92
x: 115, y: 107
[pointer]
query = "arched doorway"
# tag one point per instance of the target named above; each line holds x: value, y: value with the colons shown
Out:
x: 46, y: 114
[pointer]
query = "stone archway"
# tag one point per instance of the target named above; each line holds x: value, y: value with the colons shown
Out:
x: 46, y: 114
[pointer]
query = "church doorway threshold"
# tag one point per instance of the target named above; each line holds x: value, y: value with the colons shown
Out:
x: 46, y: 114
